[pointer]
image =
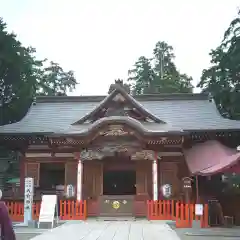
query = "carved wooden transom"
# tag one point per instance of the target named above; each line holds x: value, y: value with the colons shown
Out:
x: 143, y: 155
x: 115, y: 130
x: 110, y: 151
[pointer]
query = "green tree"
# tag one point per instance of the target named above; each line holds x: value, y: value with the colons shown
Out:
x: 17, y: 76
x: 142, y: 76
x: 22, y: 77
x: 159, y: 74
x: 53, y: 80
x: 221, y: 79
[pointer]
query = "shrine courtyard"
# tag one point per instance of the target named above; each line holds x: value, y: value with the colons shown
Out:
x: 110, y: 230
x: 115, y: 230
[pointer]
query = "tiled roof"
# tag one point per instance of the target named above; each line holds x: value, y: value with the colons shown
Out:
x: 191, y: 112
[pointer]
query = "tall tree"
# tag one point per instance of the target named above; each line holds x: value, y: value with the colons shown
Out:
x: 53, y: 81
x: 22, y: 77
x: 17, y: 75
x: 159, y: 74
x: 222, y: 79
x: 142, y: 76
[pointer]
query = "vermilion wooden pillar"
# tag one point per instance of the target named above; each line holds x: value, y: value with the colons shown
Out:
x: 155, y: 177
x: 79, y: 176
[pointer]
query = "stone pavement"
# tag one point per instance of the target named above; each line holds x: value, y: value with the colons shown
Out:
x: 26, y: 233
x: 110, y: 230
x: 208, y: 234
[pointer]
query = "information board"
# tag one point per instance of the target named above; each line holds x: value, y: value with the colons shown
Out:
x: 198, y: 209
x: 48, y: 208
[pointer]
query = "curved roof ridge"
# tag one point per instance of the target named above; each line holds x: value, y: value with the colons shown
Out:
x: 143, y: 97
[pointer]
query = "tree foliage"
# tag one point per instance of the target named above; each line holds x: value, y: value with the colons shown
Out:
x: 159, y: 73
x: 222, y: 78
x: 54, y: 81
x: 22, y: 77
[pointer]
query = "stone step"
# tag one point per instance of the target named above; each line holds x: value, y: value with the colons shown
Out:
x: 116, y: 218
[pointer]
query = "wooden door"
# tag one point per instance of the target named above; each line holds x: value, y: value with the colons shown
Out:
x: 143, y: 168
x: 92, y: 179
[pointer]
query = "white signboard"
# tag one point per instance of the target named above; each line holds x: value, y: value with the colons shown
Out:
x: 28, y: 199
x: 48, y: 207
x: 198, y: 209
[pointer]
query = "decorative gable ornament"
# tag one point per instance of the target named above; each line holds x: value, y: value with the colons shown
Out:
x: 143, y: 155
x: 116, y: 103
x: 119, y: 98
x: 114, y: 130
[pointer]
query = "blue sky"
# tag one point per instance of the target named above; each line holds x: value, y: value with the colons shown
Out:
x: 101, y: 39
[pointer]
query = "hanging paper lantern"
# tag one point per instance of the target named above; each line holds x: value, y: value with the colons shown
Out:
x: 167, y: 190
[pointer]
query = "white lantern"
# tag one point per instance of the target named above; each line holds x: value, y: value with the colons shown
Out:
x: 70, y: 191
x: 167, y: 190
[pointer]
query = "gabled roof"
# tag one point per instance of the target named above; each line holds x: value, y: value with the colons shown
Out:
x: 180, y: 112
x: 127, y: 97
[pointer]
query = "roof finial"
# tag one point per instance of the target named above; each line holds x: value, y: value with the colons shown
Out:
x: 119, y: 84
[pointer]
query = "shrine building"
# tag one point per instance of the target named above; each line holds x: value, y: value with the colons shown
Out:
x: 121, y: 149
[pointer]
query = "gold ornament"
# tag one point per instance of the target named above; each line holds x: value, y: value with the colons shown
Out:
x: 116, y: 204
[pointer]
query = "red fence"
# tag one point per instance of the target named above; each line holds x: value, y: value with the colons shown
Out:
x: 161, y: 210
x: 68, y: 210
x: 183, y: 214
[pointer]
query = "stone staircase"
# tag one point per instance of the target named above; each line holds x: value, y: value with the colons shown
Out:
x: 117, y: 218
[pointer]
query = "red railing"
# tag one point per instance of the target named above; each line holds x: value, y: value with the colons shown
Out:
x: 183, y: 214
x: 161, y: 210
x: 68, y: 210
x: 73, y: 210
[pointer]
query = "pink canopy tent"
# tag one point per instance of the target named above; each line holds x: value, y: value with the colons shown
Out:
x: 212, y: 157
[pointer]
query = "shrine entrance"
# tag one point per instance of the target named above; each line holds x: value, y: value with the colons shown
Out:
x: 117, y: 172
x: 119, y: 182
x: 119, y: 187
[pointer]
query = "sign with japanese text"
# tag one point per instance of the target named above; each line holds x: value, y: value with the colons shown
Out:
x: 28, y: 199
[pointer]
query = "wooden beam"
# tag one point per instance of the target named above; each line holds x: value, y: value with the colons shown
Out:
x: 47, y: 155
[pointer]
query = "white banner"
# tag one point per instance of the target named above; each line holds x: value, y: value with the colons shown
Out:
x: 28, y: 199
